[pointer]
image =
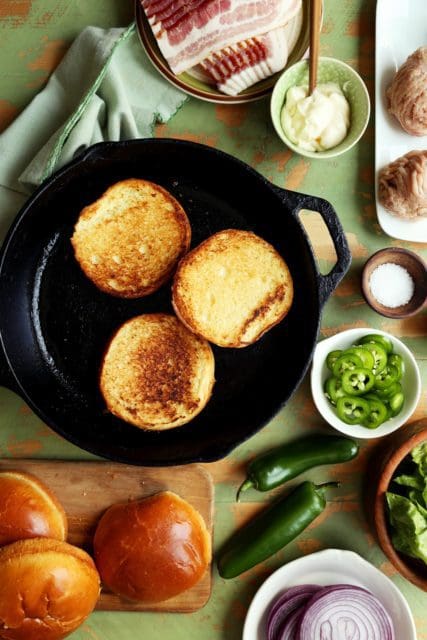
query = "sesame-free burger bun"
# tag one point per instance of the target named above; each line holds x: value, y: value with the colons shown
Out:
x: 47, y: 589
x: 28, y: 509
x: 152, y: 549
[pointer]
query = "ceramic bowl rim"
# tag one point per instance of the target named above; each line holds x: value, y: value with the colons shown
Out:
x: 330, y: 153
x: 370, y: 300
x: 327, y: 412
x: 393, y: 458
x: 369, y: 576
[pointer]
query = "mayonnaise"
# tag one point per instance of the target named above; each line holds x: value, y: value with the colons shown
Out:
x: 317, y: 122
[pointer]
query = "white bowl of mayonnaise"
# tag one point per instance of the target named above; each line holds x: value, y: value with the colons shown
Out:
x: 328, y: 122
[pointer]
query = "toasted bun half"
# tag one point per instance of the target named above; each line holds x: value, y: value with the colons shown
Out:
x: 47, y: 589
x: 152, y: 549
x: 232, y: 288
x: 28, y: 509
x: 156, y: 374
x: 129, y: 241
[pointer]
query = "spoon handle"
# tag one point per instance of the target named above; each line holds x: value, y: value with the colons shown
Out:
x: 315, y: 13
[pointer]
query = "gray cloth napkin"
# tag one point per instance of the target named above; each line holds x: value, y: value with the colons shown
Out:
x: 105, y: 88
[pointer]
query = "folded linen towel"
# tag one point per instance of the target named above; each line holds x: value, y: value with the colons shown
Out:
x: 105, y: 88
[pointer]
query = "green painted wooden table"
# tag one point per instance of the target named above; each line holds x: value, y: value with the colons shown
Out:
x: 34, y: 36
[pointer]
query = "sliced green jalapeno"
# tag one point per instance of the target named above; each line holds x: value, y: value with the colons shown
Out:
x: 332, y: 357
x: 352, y: 410
x: 396, y: 403
x: 386, y: 377
x: 377, y: 414
x: 364, y: 354
x: 357, y: 381
x: 388, y: 392
x: 346, y: 362
x: 372, y: 395
x: 365, y: 387
x: 376, y: 338
x: 397, y: 361
x: 379, y: 355
x: 333, y: 389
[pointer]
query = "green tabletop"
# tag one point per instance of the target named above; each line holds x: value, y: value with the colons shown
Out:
x: 34, y: 36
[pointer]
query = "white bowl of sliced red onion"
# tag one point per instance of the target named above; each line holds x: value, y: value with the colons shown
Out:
x: 332, y: 594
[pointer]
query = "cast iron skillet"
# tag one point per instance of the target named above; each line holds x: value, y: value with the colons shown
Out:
x: 54, y: 323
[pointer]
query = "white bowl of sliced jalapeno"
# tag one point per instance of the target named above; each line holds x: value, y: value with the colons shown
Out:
x: 365, y: 382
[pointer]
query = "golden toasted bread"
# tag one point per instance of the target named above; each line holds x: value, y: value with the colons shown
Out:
x: 156, y: 374
x: 129, y: 241
x: 232, y: 288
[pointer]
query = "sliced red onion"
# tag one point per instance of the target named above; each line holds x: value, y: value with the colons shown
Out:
x: 288, y: 601
x: 345, y: 612
x: 289, y: 629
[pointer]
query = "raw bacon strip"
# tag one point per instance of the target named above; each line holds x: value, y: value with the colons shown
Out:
x: 187, y: 31
x: 235, y: 68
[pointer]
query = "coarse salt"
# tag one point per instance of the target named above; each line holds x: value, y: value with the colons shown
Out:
x: 391, y: 285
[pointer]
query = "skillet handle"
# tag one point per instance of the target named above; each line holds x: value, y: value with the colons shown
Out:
x: 326, y: 283
x: 7, y: 379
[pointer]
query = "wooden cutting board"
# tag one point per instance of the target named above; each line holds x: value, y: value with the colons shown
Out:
x: 87, y: 489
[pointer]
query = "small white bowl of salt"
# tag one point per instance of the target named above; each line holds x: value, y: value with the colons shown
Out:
x: 394, y: 282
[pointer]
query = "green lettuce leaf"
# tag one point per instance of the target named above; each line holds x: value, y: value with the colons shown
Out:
x: 419, y: 456
x: 416, y: 548
x: 409, y: 524
x: 415, y: 482
x: 418, y: 498
x: 404, y: 514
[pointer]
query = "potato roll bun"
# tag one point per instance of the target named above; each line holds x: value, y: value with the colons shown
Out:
x: 152, y: 549
x: 232, y: 288
x: 28, y: 509
x: 129, y: 241
x: 47, y: 589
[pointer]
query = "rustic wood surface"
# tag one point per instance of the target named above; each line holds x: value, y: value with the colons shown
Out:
x: 34, y: 36
x: 87, y: 489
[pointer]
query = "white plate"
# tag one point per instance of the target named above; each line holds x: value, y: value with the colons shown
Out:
x: 411, y: 383
x: 332, y: 566
x: 401, y: 28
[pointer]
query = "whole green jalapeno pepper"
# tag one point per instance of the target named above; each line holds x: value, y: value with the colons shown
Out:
x: 273, y: 529
x: 279, y: 465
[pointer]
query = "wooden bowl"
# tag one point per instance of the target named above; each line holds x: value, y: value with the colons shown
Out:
x: 416, y: 268
x: 399, y: 446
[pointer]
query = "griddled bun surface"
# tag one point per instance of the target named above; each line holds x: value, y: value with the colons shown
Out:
x: 129, y: 241
x: 156, y: 374
x: 232, y: 288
